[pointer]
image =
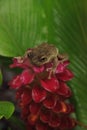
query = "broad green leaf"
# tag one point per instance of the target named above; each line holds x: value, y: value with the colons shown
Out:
x: 26, y: 23
x: 22, y: 25
x: 6, y: 109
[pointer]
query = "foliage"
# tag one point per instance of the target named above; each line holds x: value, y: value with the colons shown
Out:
x: 6, y: 109
x: 26, y: 23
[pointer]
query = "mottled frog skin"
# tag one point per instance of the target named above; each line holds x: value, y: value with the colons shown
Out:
x: 45, y: 53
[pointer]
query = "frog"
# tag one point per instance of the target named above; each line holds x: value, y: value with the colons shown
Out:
x: 46, y: 53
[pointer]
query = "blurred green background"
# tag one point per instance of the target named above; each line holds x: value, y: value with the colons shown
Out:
x: 27, y: 23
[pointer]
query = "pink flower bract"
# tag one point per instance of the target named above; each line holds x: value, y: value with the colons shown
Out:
x: 43, y: 100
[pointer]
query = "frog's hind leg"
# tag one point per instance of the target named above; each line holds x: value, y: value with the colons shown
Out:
x: 62, y: 58
x: 53, y: 69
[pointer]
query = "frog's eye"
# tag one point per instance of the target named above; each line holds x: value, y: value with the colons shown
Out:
x: 42, y: 59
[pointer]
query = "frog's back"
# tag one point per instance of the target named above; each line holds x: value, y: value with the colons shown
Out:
x: 48, y: 49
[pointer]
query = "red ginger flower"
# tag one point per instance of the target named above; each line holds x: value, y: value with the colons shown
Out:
x: 43, y: 101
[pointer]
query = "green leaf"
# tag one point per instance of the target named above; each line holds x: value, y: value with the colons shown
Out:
x: 22, y: 25
x: 0, y: 77
x: 6, y: 109
x: 26, y: 23
x: 1, y: 116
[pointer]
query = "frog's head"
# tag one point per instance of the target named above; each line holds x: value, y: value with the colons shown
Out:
x: 37, y: 57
